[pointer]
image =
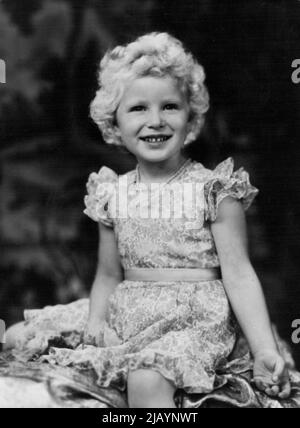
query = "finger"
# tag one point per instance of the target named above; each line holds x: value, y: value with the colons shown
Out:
x: 90, y: 339
x: 100, y: 340
x: 270, y: 392
x: 275, y: 389
x: 279, y: 370
x: 260, y: 384
x: 286, y: 390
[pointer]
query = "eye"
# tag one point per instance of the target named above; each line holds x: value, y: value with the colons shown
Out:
x: 171, y: 106
x: 137, y: 108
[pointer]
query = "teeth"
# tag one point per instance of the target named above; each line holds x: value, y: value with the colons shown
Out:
x: 155, y: 139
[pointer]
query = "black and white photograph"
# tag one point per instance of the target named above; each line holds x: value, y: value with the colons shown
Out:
x: 149, y: 206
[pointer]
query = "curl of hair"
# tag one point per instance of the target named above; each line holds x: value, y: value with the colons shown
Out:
x: 154, y: 54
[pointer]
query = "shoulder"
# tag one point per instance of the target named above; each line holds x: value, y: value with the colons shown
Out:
x: 197, y: 172
x: 100, y: 189
x: 223, y: 169
x: 200, y: 173
x: 101, y: 181
x: 129, y: 176
x: 223, y: 182
x: 104, y: 174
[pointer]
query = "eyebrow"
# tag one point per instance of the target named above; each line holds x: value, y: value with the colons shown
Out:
x: 144, y: 101
x: 135, y: 101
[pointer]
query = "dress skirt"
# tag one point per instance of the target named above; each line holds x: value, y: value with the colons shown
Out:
x: 183, y: 330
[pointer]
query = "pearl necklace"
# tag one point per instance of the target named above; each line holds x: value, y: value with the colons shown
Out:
x: 171, y: 178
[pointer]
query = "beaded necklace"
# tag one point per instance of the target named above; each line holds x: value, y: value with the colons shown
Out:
x: 171, y: 178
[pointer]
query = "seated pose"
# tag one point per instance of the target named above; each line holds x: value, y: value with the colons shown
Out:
x: 176, y: 316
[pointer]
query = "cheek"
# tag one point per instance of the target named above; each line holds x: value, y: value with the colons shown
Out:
x: 132, y: 123
x: 181, y: 123
x: 125, y: 126
x: 129, y: 129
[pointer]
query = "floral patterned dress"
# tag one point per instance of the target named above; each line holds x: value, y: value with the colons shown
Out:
x: 184, y: 330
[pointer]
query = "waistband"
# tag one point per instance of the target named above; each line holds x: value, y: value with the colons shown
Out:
x: 169, y: 274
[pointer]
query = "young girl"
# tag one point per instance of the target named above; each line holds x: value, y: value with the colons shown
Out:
x: 160, y: 323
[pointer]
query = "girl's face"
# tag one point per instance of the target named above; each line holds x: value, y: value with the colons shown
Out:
x: 153, y: 118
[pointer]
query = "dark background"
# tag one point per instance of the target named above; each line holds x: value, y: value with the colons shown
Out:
x: 49, y: 145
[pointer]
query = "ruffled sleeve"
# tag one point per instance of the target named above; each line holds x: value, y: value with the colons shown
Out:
x: 225, y: 182
x: 100, y: 188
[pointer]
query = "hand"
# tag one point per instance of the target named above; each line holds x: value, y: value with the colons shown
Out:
x: 94, y: 334
x: 271, y: 374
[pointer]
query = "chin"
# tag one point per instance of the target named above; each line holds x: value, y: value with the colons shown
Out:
x: 155, y: 157
x: 158, y: 152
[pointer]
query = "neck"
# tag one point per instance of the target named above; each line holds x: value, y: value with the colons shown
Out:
x: 156, y: 172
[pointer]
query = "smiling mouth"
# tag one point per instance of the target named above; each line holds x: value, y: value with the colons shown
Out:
x: 156, y: 138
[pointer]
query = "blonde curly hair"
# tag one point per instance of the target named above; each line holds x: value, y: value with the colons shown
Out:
x: 154, y: 54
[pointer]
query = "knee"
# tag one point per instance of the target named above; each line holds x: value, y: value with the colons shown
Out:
x: 143, y: 386
x: 14, y: 335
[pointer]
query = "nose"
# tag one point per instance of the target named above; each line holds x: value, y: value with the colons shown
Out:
x: 155, y: 119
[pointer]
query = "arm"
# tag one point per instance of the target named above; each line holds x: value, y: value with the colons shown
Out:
x: 108, y: 275
x: 240, y: 280
x: 242, y: 285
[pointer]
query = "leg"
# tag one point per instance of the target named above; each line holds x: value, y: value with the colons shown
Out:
x: 17, y: 393
x: 149, y: 389
x: 13, y: 335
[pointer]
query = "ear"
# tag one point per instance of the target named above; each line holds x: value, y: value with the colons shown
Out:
x: 190, y: 137
x: 115, y: 126
x: 117, y: 131
x: 190, y: 125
